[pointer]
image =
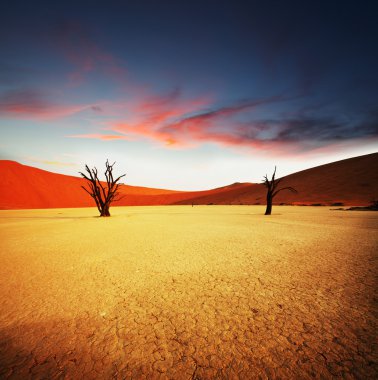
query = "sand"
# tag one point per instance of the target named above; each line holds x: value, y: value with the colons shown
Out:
x: 175, y: 292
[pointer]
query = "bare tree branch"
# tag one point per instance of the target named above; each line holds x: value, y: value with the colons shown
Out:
x: 103, y: 195
x: 285, y: 188
x: 271, y: 186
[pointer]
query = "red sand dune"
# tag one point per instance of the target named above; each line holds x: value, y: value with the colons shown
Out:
x: 352, y: 182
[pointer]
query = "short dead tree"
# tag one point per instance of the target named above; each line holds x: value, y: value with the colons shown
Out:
x: 272, y: 190
x: 102, y: 193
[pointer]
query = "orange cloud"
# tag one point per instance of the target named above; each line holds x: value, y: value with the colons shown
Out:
x: 52, y: 162
x: 99, y: 136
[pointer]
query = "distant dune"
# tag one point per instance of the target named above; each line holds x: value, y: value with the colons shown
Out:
x: 352, y: 182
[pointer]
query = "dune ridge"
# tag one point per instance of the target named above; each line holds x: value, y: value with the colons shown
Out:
x: 353, y: 181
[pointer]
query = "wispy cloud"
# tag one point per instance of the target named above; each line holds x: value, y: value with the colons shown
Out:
x: 152, y: 112
x: 28, y: 103
x: 86, y: 56
x: 99, y: 136
x: 174, y: 123
x: 178, y: 123
x: 51, y: 162
x: 307, y: 129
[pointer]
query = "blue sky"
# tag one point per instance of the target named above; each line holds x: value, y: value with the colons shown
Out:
x: 188, y: 95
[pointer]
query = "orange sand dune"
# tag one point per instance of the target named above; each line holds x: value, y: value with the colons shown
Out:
x: 352, y: 182
x: 25, y: 187
x: 28, y: 187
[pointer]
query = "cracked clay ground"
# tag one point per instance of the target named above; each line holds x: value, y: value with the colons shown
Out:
x: 209, y: 292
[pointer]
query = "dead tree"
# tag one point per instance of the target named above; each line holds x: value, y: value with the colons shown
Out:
x: 103, y: 194
x: 271, y: 186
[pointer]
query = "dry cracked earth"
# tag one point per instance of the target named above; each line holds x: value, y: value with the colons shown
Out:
x: 212, y: 292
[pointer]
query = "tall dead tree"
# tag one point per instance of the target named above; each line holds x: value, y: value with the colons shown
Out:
x: 103, y: 194
x: 271, y: 186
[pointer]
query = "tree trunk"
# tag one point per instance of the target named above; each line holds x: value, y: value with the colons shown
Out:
x: 105, y: 211
x: 272, y: 190
x: 103, y: 194
x: 269, y: 200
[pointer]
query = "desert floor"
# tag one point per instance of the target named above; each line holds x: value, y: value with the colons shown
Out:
x: 175, y: 292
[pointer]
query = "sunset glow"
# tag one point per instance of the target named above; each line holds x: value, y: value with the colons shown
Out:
x: 162, y: 96
x: 188, y: 190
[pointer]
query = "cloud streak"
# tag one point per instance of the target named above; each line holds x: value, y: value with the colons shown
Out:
x: 173, y: 120
x: 52, y: 162
x: 151, y: 113
x: 32, y: 104
x: 99, y: 136
x: 187, y: 126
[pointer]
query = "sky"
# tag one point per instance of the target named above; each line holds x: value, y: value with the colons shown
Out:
x: 188, y: 95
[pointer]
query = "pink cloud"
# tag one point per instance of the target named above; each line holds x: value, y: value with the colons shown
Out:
x: 33, y: 104
x: 179, y: 123
x: 175, y: 122
x: 152, y: 112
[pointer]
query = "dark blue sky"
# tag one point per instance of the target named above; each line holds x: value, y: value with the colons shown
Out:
x: 273, y: 80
